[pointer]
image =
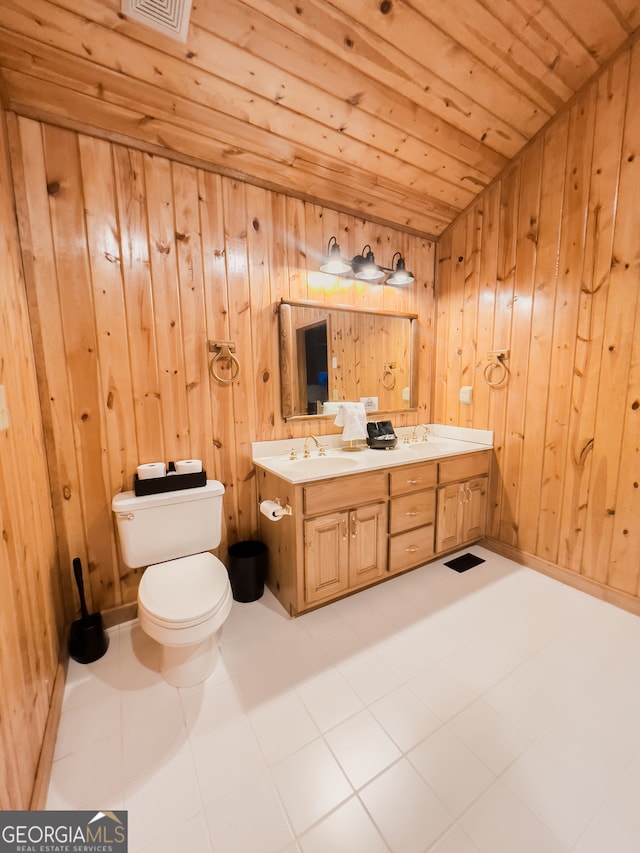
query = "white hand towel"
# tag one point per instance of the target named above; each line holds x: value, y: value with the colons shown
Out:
x: 353, y: 420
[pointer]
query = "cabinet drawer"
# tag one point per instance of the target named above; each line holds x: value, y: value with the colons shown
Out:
x: 412, y: 510
x: 344, y: 492
x: 412, y: 478
x: 463, y: 467
x: 411, y: 549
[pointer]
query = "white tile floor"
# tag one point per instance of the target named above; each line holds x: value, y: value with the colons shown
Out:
x: 494, y: 710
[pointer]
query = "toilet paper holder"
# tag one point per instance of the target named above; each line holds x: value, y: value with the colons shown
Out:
x: 284, y: 510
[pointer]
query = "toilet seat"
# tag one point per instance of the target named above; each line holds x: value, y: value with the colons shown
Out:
x: 185, y: 592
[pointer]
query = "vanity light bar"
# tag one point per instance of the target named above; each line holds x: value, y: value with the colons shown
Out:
x: 364, y: 266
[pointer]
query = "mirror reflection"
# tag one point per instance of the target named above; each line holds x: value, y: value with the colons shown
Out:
x: 331, y: 354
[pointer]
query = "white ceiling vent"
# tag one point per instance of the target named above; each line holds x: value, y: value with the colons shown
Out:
x: 170, y: 17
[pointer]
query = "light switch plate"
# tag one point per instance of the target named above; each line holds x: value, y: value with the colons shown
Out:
x: 4, y: 411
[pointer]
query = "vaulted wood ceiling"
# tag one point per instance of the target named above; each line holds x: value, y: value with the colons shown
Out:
x: 400, y: 111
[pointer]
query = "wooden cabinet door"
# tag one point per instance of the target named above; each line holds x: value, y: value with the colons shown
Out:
x: 449, y: 521
x: 475, y: 501
x: 326, y: 556
x: 461, y: 513
x: 367, y: 543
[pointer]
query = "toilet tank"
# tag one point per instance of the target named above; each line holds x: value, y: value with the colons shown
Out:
x: 155, y: 528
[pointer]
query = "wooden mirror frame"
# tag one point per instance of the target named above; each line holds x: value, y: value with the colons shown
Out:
x: 288, y: 361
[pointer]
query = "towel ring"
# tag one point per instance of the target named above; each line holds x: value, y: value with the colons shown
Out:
x: 497, y: 364
x: 224, y: 351
x: 388, y: 380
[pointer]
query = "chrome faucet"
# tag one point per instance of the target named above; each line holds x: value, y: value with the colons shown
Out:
x: 425, y: 434
x: 307, y: 454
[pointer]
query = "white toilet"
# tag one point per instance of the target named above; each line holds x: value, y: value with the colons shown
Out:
x: 184, y: 595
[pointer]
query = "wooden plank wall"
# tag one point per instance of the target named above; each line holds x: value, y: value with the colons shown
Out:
x: 31, y: 611
x: 133, y: 262
x: 547, y: 264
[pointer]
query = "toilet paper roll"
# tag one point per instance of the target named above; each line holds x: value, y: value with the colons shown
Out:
x: 272, y: 510
x: 189, y: 466
x: 151, y: 470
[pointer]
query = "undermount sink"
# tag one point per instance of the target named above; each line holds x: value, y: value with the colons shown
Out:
x: 322, y: 465
x: 425, y: 446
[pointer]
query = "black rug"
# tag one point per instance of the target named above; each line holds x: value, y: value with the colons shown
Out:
x: 464, y: 562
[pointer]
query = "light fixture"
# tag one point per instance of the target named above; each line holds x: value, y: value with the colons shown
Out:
x: 334, y: 263
x: 365, y: 266
x: 400, y: 275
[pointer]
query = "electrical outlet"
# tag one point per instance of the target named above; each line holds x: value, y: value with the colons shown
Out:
x: 466, y: 394
x: 4, y: 411
x: 370, y: 403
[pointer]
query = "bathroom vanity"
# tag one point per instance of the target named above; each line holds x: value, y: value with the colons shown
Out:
x: 359, y: 518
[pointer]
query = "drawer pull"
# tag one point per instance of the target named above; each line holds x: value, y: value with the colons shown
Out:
x: 414, y: 482
x: 412, y: 512
x: 412, y: 548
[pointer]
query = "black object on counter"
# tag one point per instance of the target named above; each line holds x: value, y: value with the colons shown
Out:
x: 380, y: 435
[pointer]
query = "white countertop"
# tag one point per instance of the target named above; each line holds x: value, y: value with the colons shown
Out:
x: 274, y: 456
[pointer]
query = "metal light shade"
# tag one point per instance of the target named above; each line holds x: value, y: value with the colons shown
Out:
x: 366, y: 268
x: 400, y: 275
x: 334, y: 264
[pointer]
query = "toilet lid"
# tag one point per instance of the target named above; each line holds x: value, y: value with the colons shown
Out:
x: 184, y: 590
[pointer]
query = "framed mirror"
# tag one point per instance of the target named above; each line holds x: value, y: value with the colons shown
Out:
x: 334, y: 353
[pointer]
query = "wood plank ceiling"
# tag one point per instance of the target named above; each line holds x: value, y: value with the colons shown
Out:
x: 399, y: 111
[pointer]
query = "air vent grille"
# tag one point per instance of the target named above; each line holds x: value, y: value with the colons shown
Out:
x: 170, y: 17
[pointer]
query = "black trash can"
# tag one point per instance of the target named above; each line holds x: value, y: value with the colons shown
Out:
x: 247, y: 569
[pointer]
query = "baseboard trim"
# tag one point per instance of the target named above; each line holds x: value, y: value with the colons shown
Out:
x: 118, y: 615
x: 45, y: 761
x: 566, y: 576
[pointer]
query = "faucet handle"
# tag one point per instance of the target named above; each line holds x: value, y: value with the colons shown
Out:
x: 322, y: 451
x: 293, y: 455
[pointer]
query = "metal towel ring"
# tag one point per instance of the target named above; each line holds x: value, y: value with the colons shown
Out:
x: 224, y: 351
x: 388, y: 380
x: 498, y: 364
